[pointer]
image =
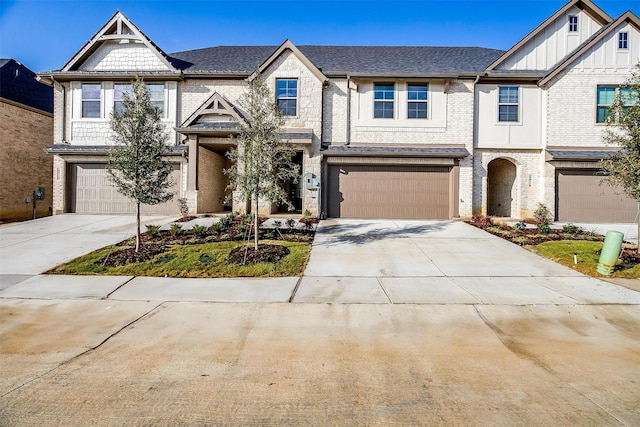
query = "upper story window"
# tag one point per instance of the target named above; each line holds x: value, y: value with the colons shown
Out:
x: 91, y: 100
x: 156, y: 92
x: 383, y: 96
x: 623, y: 40
x: 606, y: 96
x: 573, y: 24
x: 287, y: 96
x: 508, y: 103
x: 417, y: 97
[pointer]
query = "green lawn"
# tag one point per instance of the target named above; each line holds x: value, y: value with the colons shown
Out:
x: 203, y: 260
x: 588, y: 254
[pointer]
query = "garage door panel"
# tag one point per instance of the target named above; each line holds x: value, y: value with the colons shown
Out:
x: 92, y: 191
x: 581, y: 198
x: 367, y: 191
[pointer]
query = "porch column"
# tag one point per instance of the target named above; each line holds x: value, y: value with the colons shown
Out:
x: 192, y: 173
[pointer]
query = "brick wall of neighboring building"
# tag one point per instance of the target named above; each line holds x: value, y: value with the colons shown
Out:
x: 24, y: 165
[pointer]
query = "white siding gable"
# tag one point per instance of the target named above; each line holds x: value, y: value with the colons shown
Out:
x: 552, y: 44
x: 123, y: 56
x: 606, y: 55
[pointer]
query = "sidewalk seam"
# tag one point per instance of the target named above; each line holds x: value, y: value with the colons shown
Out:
x: 116, y: 289
x: 90, y: 349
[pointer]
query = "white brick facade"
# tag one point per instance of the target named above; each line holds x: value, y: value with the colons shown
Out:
x: 463, y: 110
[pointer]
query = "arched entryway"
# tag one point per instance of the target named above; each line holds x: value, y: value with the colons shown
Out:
x: 501, y: 177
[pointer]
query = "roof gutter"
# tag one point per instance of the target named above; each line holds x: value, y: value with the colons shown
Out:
x: 110, y: 75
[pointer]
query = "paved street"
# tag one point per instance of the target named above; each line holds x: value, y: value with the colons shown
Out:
x: 393, y: 323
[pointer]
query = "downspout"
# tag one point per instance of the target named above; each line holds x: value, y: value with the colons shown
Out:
x: 348, y: 135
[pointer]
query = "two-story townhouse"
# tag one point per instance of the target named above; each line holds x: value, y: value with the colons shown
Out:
x: 540, y: 112
x: 379, y: 131
x: 399, y: 132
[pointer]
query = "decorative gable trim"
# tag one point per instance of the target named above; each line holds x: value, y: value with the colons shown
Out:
x: 119, y: 27
x: 288, y: 45
x: 216, y: 104
x: 589, y: 7
x: 628, y: 17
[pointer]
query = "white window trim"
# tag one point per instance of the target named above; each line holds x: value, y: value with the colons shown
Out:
x: 577, y: 24
x: 394, y: 100
x: 626, y: 40
x: 297, y: 79
x: 497, y: 110
x: 408, y: 101
x: 102, y: 116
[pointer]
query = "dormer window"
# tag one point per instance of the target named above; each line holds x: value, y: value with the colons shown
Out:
x: 623, y: 40
x: 573, y: 24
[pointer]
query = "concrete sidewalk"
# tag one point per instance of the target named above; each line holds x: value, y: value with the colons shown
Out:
x: 352, y: 261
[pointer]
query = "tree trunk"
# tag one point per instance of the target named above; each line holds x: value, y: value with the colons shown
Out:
x: 255, y: 226
x: 137, y: 227
x: 638, y: 235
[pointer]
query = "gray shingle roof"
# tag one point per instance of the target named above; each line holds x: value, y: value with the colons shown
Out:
x: 19, y: 84
x: 346, y: 59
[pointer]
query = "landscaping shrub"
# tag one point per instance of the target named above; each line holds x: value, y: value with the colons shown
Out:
x: 184, y: 209
x: 542, y: 214
x: 199, y: 230
x: 520, y: 225
x: 152, y: 230
x: 571, y: 229
x: 544, y: 228
x: 175, y: 230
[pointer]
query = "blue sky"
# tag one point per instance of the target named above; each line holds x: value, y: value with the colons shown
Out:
x: 44, y: 34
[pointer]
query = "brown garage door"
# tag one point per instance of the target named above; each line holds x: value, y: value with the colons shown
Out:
x: 580, y: 198
x: 91, y: 191
x: 371, y: 191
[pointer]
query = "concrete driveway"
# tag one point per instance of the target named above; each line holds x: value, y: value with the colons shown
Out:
x: 394, y: 261
x: 32, y: 247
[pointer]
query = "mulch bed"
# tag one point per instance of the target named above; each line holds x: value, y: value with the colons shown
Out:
x: 630, y: 257
x: 529, y: 236
x: 266, y: 253
x: 129, y: 255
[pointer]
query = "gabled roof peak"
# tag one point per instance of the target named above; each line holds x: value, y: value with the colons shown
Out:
x: 588, y: 6
x: 118, y: 27
x: 288, y: 45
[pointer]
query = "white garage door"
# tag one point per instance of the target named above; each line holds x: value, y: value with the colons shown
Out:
x: 91, y: 191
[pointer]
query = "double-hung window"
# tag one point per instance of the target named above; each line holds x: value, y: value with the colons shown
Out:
x: 383, y: 98
x: 91, y: 100
x: 287, y: 96
x: 417, y: 98
x: 119, y: 90
x: 623, y: 40
x: 573, y: 24
x: 508, y: 103
x: 606, y: 96
x: 156, y: 93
